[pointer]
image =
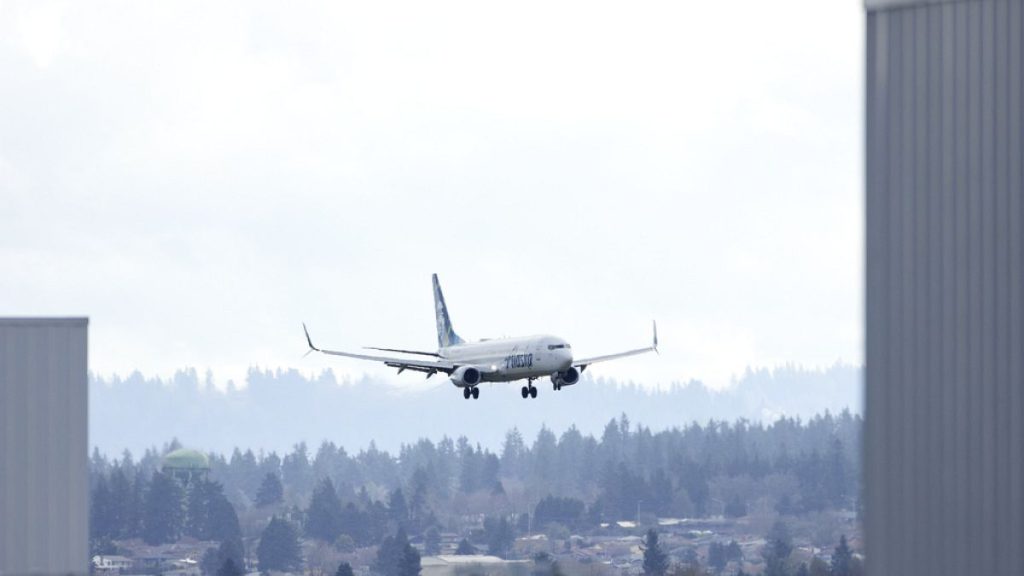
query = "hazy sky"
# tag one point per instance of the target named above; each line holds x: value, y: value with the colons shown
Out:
x: 200, y: 178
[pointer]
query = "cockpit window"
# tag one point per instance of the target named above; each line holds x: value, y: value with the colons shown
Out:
x: 557, y: 346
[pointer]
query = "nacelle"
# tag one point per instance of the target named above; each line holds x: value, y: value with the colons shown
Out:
x: 566, y: 378
x: 466, y: 377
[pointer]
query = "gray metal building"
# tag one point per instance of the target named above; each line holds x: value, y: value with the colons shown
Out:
x: 944, y: 437
x: 43, y: 447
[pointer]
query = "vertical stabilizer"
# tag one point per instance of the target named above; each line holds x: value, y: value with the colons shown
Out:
x: 446, y: 335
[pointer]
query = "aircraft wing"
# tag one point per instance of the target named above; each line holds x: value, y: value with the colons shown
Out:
x: 582, y: 364
x: 431, y: 367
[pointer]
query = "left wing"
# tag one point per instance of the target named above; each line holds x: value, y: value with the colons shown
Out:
x: 431, y: 367
x: 582, y: 364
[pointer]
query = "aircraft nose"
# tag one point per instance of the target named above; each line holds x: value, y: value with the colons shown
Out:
x: 566, y: 357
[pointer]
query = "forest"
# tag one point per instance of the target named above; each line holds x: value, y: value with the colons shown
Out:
x: 556, y: 485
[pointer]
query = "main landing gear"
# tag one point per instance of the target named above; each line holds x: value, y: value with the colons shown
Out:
x: 474, y: 392
x: 529, y: 391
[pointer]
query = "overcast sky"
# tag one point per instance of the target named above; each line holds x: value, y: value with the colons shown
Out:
x: 200, y: 178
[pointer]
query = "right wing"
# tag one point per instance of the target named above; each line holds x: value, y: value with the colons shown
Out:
x: 582, y: 364
x: 431, y: 367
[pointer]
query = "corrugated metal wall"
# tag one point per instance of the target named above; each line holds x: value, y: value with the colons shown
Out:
x: 43, y: 447
x: 944, y: 451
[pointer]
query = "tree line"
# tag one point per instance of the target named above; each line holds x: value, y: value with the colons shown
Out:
x: 571, y: 482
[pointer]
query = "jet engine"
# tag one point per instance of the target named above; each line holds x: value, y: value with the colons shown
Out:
x: 466, y: 377
x: 565, y: 378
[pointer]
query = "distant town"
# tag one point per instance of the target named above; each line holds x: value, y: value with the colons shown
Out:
x: 718, y: 498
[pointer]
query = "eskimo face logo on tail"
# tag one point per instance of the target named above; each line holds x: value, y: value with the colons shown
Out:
x: 446, y: 335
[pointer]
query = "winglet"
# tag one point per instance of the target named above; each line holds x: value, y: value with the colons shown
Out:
x: 654, y: 326
x: 309, y: 340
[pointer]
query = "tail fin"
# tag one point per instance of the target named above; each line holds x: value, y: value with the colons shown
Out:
x: 446, y: 335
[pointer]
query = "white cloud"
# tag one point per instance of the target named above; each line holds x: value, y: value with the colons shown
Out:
x: 201, y: 178
x: 34, y: 28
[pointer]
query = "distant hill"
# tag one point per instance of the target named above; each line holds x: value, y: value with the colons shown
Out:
x: 280, y: 408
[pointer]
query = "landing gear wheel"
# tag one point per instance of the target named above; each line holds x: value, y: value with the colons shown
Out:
x: 465, y: 393
x: 526, y: 391
x: 476, y: 393
x: 533, y: 392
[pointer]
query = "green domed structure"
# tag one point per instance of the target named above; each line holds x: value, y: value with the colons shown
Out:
x: 186, y: 464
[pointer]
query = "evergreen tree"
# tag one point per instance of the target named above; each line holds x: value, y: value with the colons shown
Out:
x: 354, y: 523
x: 785, y: 506
x: 736, y: 508
x: 197, y: 517
x: 376, y: 521
x: 396, y: 557
x: 223, y: 520
x: 842, y: 558
x: 836, y: 474
x: 465, y: 548
x: 229, y: 568
x: 210, y: 563
x: 323, y: 518
x: 733, y: 551
x: 410, y: 563
x: 297, y: 472
x: 420, y: 485
x: 102, y: 547
x: 270, y: 491
x: 122, y: 503
x: 215, y: 558
x: 432, y: 541
x: 344, y: 569
x: 163, y: 510
x: 655, y: 560
x: 279, y: 547
x: 136, y: 507
x: 716, y: 556
x: 545, y: 565
x: 777, y: 550
x: 101, y: 524
x: 210, y: 515
x: 499, y: 536
x: 661, y: 493
x: 567, y: 511
x: 398, y: 509
x: 694, y: 479
x: 389, y: 555
x: 818, y: 567
x: 513, y: 451
x: 489, y: 468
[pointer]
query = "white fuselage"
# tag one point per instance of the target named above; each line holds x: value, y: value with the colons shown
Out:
x: 507, y: 359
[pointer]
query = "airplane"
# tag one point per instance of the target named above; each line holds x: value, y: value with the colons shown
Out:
x: 468, y: 364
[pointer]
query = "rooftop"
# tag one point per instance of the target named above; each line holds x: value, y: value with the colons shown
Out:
x: 466, y: 559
